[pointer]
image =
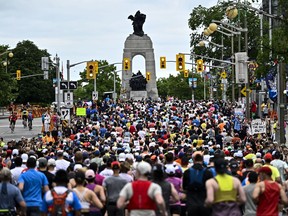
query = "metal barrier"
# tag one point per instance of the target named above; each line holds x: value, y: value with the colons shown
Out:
x: 2, y: 111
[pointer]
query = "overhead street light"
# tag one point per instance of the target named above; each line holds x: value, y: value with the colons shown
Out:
x: 6, y: 62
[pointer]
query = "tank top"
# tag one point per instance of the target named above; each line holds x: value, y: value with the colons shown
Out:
x: 85, y: 206
x: 268, y: 201
x: 166, y: 193
x: 226, y: 191
x: 140, y: 198
x: 92, y: 207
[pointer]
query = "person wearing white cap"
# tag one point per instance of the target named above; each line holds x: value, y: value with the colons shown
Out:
x: 61, y: 163
x: 143, y: 195
x: 24, y: 160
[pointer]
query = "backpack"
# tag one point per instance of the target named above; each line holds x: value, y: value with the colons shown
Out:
x: 196, y: 179
x: 59, y: 207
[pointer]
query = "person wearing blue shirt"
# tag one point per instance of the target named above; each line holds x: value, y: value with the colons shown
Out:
x: 31, y: 183
x: 72, y: 201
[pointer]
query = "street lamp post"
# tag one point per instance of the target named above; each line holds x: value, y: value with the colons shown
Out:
x: 6, y: 62
x: 202, y: 43
x: 214, y: 27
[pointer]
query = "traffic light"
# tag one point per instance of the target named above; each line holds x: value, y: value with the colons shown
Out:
x: 222, y: 87
x: 163, y: 62
x: 148, y: 76
x: 186, y: 73
x: 91, y: 70
x: 68, y: 96
x: 18, y: 74
x: 180, y: 62
x: 126, y: 63
x: 96, y: 67
x: 200, y: 66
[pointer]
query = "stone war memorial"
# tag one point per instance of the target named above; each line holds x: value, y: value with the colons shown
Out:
x: 134, y: 84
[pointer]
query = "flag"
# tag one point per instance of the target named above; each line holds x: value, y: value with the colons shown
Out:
x: 271, y: 83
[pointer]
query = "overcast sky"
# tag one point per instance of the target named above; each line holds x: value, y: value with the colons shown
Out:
x: 93, y: 29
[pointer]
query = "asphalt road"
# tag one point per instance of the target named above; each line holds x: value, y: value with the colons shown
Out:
x: 20, y: 131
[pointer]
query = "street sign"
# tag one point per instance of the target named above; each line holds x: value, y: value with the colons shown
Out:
x: 223, y: 75
x: 64, y: 85
x: 243, y: 91
x: 72, y: 85
x: 65, y: 114
x: 95, y: 95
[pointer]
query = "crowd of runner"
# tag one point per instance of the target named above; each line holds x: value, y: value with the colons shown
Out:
x: 146, y: 158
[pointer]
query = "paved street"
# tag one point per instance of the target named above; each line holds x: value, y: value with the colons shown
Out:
x: 20, y: 131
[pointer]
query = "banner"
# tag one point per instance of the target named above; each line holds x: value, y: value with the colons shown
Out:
x: 258, y: 126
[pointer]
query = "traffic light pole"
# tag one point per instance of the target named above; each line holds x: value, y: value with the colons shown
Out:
x: 58, y: 82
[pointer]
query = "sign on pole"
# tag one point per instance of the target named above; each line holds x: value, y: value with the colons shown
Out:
x: 81, y: 112
x: 95, y: 95
x: 65, y: 114
x: 258, y: 126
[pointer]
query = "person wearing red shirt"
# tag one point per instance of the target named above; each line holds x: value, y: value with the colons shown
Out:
x: 266, y: 194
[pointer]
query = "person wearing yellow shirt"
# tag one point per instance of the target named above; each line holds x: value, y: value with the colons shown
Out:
x: 2, y: 143
x: 275, y: 172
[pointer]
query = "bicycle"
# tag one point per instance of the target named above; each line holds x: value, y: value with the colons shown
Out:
x: 24, y: 122
x: 30, y: 125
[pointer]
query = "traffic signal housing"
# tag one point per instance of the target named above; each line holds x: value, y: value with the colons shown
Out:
x: 92, y: 69
x: 186, y: 73
x: 148, y: 76
x: 200, y: 65
x: 180, y: 62
x: 18, y: 74
x: 163, y: 62
x: 126, y: 63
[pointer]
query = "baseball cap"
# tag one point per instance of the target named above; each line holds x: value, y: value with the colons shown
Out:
x: 44, y: 151
x: 115, y: 165
x: 234, y: 166
x: 77, y: 166
x: 170, y: 170
x: 268, y: 156
x: 143, y: 168
x: 138, y: 158
x: 97, y: 153
x: 266, y: 170
x: 51, y: 162
x: 122, y: 157
x: 60, y: 152
x: 42, y: 162
x: 24, y: 158
x: 89, y: 174
x: 220, y: 165
x: 15, y: 152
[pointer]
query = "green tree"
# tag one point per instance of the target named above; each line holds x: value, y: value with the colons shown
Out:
x: 104, y: 79
x: 33, y: 89
x: 8, y: 83
x: 178, y: 86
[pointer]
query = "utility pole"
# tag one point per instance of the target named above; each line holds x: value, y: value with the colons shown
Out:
x: 281, y: 101
x: 248, y: 80
x: 58, y: 82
